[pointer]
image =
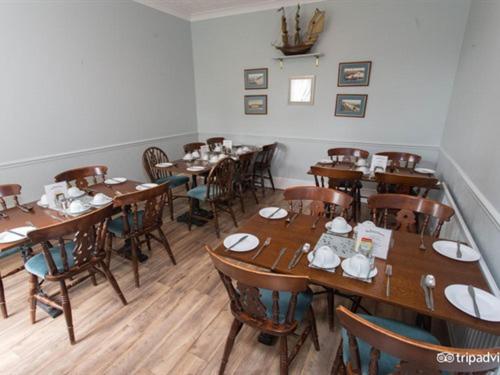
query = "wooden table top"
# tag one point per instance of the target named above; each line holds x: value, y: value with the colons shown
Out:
x: 181, y: 167
x: 112, y: 191
x: 407, y: 260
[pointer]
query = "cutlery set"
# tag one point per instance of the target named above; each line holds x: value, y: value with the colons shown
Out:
x: 298, y: 255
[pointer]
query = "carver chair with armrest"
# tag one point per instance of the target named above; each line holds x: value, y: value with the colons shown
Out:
x: 352, y: 154
x: 153, y: 156
x: 141, y: 216
x: 372, y: 345
x: 244, y: 178
x: 84, y: 253
x: 263, y: 166
x: 80, y: 177
x: 190, y: 147
x: 271, y: 303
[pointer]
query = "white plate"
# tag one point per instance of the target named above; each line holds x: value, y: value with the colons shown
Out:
x: 115, y: 180
x: 449, y: 250
x: 195, y: 168
x: 146, y: 186
x: 7, y: 237
x: 248, y: 244
x: 268, y: 211
x: 346, y: 266
x: 164, y: 165
x: 39, y: 203
x: 325, y: 161
x: 334, y: 264
x: 347, y: 229
x: 488, y: 304
x: 425, y: 170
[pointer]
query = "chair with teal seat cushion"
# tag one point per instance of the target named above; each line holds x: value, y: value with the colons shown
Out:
x: 37, y: 265
x: 386, y: 362
x: 200, y: 192
x: 116, y: 227
x: 9, y: 252
x: 304, y: 300
x: 174, y: 180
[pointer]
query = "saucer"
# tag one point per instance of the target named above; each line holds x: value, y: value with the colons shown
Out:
x: 146, y: 186
x: 268, y: 211
x: 334, y: 264
x: 425, y: 170
x: 195, y: 168
x: 346, y: 230
x: 82, y: 193
x: 164, y: 165
x: 115, y: 180
x: 85, y: 208
x: 346, y: 266
x: 325, y: 161
x: 449, y: 250
x: 7, y: 237
x: 106, y: 202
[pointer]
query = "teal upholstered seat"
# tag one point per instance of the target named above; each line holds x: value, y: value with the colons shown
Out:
x: 386, y: 362
x: 37, y: 265
x: 303, y: 302
x: 200, y: 192
x: 115, y: 226
x: 174, y: 180
x: 6, y: 253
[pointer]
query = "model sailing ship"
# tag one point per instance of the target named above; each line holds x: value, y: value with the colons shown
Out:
x: 301, y: 45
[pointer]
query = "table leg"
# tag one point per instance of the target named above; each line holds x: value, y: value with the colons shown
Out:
x: 197, y: 210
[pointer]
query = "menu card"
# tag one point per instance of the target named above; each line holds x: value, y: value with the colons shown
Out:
x: 227, y: 144
x: 379, y: 162
x: 381, y: 238
x: 55, y: 192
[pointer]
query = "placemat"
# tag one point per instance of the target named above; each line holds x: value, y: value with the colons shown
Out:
x: 342, y: 246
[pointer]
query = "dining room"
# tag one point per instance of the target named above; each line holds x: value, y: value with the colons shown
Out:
x: 249, y: 187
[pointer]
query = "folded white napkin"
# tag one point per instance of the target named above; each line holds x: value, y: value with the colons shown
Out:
x: 331, y: 270
x: 369, y: 280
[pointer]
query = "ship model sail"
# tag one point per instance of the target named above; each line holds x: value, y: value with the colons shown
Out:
x: 301, y: 44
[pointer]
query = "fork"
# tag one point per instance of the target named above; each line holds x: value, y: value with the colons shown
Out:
x: 388, y: 273
x: 266, y: 243
x: 282, y: 252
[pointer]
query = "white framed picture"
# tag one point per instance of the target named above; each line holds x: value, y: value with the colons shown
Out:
x: 301, y: 90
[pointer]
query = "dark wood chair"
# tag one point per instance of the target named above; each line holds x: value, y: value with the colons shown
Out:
x: 347, y: 153
x: 190, y: 147
x: 153, y: 156
x: 137, y: 225
x: 9, y: 197
x: 324, y: 202
x: 211, y: 142
x: 372, y: 345
x: 401, y: 159
x: 85, y: 253
x: 263, y: 166
x: 398, y: 211
x: 346, y: 180
x: 244, y: 177
x: 271, y: 303
x: 405, y: 184
x: 218, y: 192
x: 80, y: 176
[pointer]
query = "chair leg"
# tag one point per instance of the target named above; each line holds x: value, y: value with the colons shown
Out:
x: 330, y: 300
x: 148, y: 242
x: 262, y: 183
x: 190, y: 213
x: 171, y: 203
x: 283, y: 356
x: 33, y: 283
x: 92, y: 277
x: 3, y: 306
x: 231, y: 212
x: 338, y: 367
x: 271, y: 178
x: 67, y: 311
x: 235, y: 329
x: 254, y: 191
x: 166, y: 245
x: 314, y: 329
x: 135, y: 262
x: 112, y: 281
x: 216, y: 219
x: 109, y: 249
x: 240, y: 193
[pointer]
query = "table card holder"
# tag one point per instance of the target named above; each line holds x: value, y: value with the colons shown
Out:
x: 379, y: 162
x: 381, y: 238
x: 54, y: 194
x: 227, y: 144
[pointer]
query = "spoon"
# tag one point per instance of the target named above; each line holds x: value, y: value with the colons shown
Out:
x: 430, y: 282
x: 305, y: 250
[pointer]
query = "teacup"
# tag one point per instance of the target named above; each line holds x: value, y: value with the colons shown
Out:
x: 323, y: 257
x: 339, y: 224
x: 361, y: 163
x: 74, y: 192
x: 195, y: 154
x: 76, y: 207
x: 188, y: 156
x: 214, y: 159
x: 217, y: 149
x: 239, y: 151
x: 365, y: 224
x: 100, y: 198
x: 43, y: 200
x: 360, y: 265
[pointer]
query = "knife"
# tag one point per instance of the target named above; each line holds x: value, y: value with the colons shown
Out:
x: 16, y: 233
x: 292, y: 261
x: 274, y: 213
x: 282, y: 251
x: 472, y: 293
x: 241, y: 239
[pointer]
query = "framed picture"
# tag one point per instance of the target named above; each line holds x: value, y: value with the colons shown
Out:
x: 301, y: 90
x: 255, y: 104
x: 255, y: 79
x: 354, y: 73
x: 351, y: 105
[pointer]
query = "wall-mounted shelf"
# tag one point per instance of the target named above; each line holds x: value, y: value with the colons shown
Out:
x: 316, y: 57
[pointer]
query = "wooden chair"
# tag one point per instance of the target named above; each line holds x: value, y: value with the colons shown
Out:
x: 153, y: 156
x: 263, y: 166
x: 347, y: 153
x: 244, y: 177
x: 405, y: 184
x: 218, y: 192
x: 81, y: 176
x: 211, y: 142
x: 135, y: 223
x: 190, y: 147
x: 85, y: 253
x: 9, y: 192
x: 401, y: 159
x: 346, y: 180
x: 372, y: 345
x: 404, y: 208
x: 271, y: 303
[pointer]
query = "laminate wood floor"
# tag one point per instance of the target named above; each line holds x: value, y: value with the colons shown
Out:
x: 175, y: 323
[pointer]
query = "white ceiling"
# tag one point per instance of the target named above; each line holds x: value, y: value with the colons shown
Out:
x: 195, y: 10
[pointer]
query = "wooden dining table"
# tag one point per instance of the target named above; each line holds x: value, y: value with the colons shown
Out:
x: 408, y: 262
